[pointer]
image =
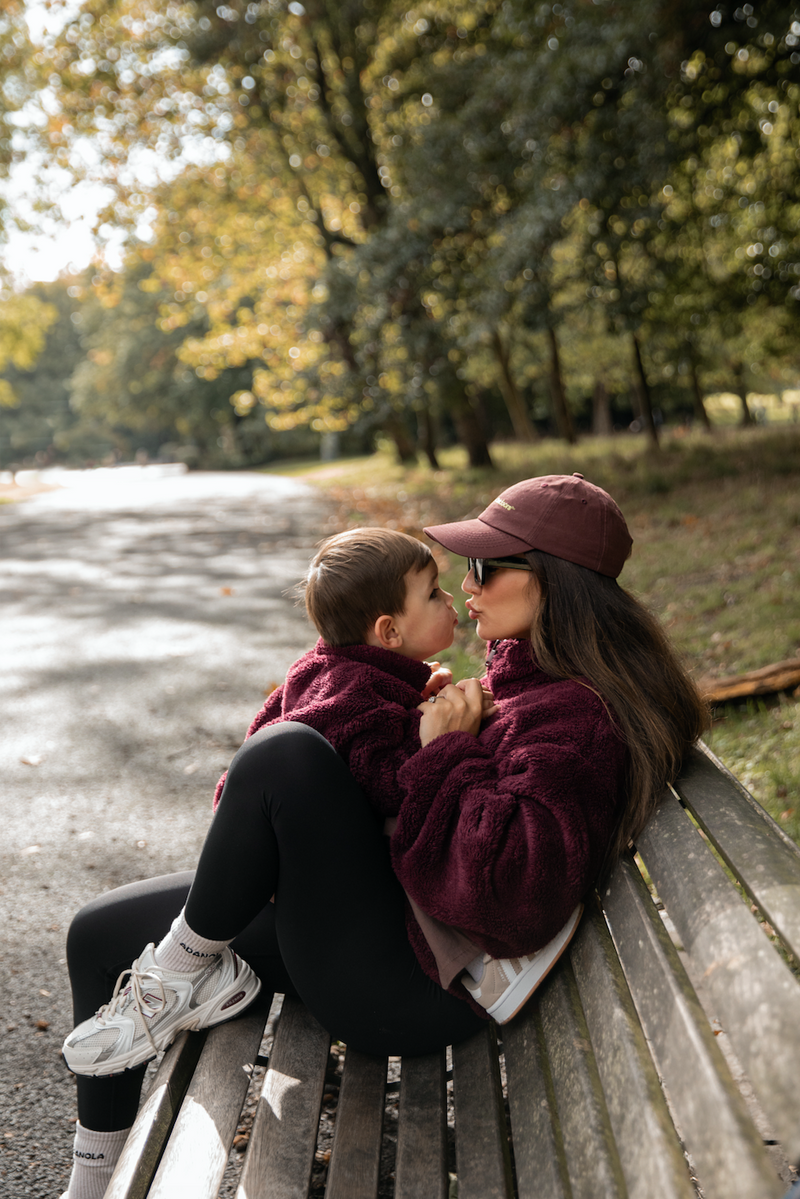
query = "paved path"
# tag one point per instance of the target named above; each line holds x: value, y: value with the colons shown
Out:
x: 143, y: 616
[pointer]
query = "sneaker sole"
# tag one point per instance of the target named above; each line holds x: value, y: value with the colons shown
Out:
x: 517, y: 995
x: 191, y: 1022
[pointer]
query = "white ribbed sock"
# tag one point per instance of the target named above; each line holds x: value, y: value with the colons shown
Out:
x: 476, y: 967
x: 183, y: 950
x: 94, y: 1157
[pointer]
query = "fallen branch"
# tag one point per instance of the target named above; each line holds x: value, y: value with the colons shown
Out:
x: 780, y: 676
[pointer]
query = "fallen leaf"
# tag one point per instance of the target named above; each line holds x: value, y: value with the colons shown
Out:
x: 42, y: 1025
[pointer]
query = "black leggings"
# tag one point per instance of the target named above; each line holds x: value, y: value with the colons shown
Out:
x: 292, y: 823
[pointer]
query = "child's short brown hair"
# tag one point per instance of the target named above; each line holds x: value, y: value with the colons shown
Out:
x: 358, y: 576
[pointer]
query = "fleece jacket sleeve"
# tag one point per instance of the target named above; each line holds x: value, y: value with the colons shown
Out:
x: 501, y: 836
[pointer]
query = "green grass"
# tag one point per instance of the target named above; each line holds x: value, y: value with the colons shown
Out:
x: 716, y: 528
x: 760, y: 743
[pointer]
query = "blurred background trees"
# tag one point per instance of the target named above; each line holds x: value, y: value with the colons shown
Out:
x: 458, y: 221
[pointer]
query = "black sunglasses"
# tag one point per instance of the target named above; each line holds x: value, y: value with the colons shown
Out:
x: 483, y: 567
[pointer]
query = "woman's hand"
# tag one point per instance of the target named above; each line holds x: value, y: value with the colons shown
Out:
x: 489, y: 706
x: 454, y: 710
x: 440, y: 677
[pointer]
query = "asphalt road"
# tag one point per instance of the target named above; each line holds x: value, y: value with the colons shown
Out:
x: 144, y: 615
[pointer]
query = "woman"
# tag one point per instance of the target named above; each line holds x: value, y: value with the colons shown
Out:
x: 499, y: 836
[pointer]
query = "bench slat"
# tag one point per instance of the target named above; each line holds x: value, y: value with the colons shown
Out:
x: 752, y: 991
x: 421, y: 1165
x: 356, y: 1157
x: 140, y: 1157
x: 283, y: 1139
x: 712, y: 1117
x: 483, y: 1158
x: 595, y: 1171
x: 649, y: 1150
x: 744, y: 836
x: 207, y: 1122
x: 538, y: 1150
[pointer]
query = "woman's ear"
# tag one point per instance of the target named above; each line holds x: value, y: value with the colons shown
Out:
x: 385, y: 633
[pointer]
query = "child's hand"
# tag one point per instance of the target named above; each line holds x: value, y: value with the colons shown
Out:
x: 489, y: 706
x: 441, y: 676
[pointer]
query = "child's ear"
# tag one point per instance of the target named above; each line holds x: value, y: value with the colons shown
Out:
x: 386, y: 634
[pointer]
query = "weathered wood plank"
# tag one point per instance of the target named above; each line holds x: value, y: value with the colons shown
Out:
x: 595, y: 1171
x: 649, y: 1151
x: 142, y: 1153
x: 355, y: 1160
x: 715, y: 1126
x: 483, y: 1159
x: 280, y: 1152
x: 538, y: 1150
x: 753, y: 993
x: 421, y: 1164
x: 209, y: 1115
x: 767, y: 866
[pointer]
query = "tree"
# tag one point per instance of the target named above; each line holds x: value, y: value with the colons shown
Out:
x: 23, y: 319
x: 384, y: 212
x: 290, y: 111
x: 132, y: 382
x: 42, y: 346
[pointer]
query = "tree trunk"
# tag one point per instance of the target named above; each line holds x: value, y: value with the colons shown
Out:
x: 645, y: 402
x: 741, y: 391
x: 428, y: 436
x: 466, y: 418
x: 520, y: 421
x: 699, y: 406
x: 395, y: 427
x: 602, y: 425
x: 471, y: 435
x: 563, y: 415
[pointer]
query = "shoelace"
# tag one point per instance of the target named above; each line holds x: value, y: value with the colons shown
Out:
x: 133, y: 993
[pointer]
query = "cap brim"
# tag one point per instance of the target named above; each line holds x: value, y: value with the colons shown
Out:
x: 476, y: 539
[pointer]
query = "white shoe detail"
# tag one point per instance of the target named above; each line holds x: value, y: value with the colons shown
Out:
x: 151, y: 1005
x: 508, y: 983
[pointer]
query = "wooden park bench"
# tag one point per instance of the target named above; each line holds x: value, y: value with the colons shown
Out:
x: 660, y: 1059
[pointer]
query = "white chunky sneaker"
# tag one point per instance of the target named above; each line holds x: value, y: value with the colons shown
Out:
x: 508, y: 983
x: 150, y: 1006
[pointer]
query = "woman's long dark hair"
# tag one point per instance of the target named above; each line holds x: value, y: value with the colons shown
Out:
x: 588, y: 627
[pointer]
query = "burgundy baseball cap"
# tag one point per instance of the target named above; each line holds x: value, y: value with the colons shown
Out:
x: 563, y: 515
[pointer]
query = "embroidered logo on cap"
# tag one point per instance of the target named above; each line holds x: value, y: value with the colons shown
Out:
x: 508, y: 507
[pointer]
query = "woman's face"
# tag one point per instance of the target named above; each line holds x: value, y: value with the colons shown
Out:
x: 505, y: 605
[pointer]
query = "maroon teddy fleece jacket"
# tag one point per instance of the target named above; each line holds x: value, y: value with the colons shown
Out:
x: 363, y: 699
x: 501, y: 836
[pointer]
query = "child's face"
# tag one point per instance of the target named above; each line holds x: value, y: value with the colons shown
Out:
x: 429, y: 621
